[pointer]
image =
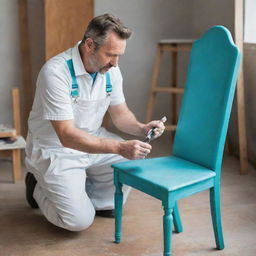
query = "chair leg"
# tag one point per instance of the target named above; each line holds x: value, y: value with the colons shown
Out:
x: 176, y: 219
x: 167, y: 226
x: 216, y: 216
x: 118, y: 212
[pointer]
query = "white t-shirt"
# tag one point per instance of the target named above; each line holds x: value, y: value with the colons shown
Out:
x: 53, y: 99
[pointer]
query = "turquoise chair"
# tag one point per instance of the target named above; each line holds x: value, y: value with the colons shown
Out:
x: 195, y: 164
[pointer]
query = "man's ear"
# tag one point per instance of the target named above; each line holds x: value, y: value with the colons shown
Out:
x: 89, y: 44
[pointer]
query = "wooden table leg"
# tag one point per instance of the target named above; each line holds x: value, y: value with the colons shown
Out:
x: 16, y: 164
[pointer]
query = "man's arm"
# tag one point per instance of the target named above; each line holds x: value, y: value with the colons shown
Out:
x: 72, y: 137
x: 126, y: 121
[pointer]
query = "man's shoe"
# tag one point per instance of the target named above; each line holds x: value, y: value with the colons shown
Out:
x: 106, y: 213
x: 30, y: 182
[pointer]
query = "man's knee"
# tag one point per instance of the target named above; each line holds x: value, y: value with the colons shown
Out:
x: 77, y: 222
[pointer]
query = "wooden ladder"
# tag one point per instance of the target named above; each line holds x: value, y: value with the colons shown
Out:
x: 174, y: 46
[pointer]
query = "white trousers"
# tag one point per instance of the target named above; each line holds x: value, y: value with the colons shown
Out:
x: 71, y: 186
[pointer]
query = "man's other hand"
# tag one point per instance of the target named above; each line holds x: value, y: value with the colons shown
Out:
x: 134, y: 149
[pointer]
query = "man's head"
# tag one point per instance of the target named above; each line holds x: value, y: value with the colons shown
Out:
x: 104, y: 41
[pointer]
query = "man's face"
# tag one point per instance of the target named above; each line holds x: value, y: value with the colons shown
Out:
x: 107, y: 55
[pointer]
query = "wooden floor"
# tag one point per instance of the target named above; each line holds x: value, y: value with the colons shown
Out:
x: 25, y: 232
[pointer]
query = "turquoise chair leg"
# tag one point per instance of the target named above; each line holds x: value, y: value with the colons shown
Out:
x: 176, y: 219
x: 216, y: 216
x: 118, y: 212
x: 167, y: 226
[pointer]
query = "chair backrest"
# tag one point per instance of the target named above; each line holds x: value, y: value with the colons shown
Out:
x: 207, y: 101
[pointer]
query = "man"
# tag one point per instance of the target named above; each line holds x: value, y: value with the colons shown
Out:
x: 68, y: 153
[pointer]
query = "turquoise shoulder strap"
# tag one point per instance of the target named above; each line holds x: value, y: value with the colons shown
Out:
x: 74, y: 89
x: 108, y: 83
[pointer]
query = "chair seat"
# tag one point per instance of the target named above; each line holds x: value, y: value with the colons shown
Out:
x: 172, y: 173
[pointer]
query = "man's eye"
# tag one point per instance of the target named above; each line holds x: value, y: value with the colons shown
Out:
x: 111, y: 55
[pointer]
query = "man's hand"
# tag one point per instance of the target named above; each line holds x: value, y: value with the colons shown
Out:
x: 158, y: 125
x: 134, y: 149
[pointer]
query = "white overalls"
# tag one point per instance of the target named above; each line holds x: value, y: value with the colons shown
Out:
x: 71, y: 184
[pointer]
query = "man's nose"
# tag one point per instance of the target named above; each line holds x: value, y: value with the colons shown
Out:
x: 114, y: 61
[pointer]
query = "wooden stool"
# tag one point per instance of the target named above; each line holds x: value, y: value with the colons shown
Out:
x: 173, y: 46
x: 13, y: 149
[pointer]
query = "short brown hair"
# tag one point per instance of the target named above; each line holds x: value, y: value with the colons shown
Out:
x: 100, y: 26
